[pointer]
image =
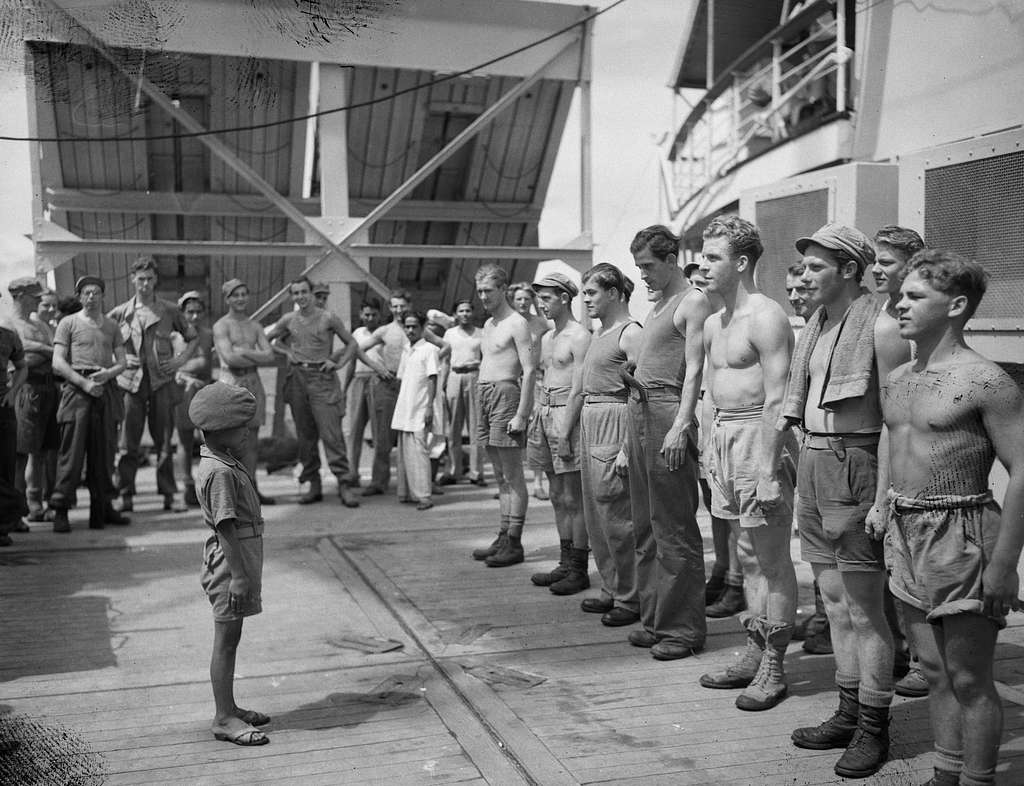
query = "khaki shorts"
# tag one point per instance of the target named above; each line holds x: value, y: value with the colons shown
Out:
x: 732, y: 459
x: 542, y: 441
x: 837, y: 489
x: 497, y: 404
x: 215, y: 577
x: 936, y: 551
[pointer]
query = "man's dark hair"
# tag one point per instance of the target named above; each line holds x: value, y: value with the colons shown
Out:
x: 904, y: 240
x: 371, y: 303
x: 401, y: 293
x: 300, y: 280
x: 607, y: 276
x: 952, y: 273
x: 464, y: 302
x: 69, y: 305
x: 144, y: 263
x: 419, y: 316
x: 658, y: 239
x: 743, y: 237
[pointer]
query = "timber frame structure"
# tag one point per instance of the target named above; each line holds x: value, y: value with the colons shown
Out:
x: 440, y: 162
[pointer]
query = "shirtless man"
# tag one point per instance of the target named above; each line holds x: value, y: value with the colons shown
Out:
x: 505, y: 399
x: 553, y: 442
x: 894, y: 246
x: 665, y: 386
x: 524, y: 301
x: 242, y: 347
x: 952, y: 556
x: 833, y: 395
x: 604, y: 431
x: 749, y: 344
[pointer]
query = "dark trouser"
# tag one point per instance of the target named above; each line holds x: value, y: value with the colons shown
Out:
x: 12, y: 501
x: 36, y: 410
x: 360, y: 412
x: 669, y: 547
x: 155, y: 408
x: 383, y: 396
x: 318, y: 407
x: 187, y: 433
x: 83, y: 422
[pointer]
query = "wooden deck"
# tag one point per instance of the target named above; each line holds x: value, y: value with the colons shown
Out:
x: 106, y: 636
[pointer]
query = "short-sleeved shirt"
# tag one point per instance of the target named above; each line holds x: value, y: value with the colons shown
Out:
x: 311, y: 338
x: 89, y: 345
x: 147, y: 331
x: 40, y: 332
x: 419, y: 363
x: 11, y: 350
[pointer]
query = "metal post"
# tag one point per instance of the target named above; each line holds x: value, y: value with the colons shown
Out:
x: 841, y: 56
x: 776, y: 86
x: 586, y: 171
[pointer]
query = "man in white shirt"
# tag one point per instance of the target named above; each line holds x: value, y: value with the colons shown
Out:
x: 413, y: 417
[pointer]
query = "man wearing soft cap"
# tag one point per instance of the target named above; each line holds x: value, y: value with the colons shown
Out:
x: 833, y: 396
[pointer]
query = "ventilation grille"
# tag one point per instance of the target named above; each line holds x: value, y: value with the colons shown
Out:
x: 975, y: 208
x: 781, y: 221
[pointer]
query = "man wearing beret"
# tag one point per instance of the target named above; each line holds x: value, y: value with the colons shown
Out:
x: 232, y: 573
x: 553, y: 438
x: 833, y: 396
x: 146, y: 323
x: 88, y: 352
x: 36, y: 405
x: 196, y: 372
x: 243, y: 348
x: 12, y: 499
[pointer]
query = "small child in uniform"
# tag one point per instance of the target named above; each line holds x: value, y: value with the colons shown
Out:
x: 233, y: 556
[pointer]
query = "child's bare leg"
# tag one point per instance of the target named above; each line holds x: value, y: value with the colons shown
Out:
x: 226, y: 636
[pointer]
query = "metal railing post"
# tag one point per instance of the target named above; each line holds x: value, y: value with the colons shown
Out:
x: 841, y: 56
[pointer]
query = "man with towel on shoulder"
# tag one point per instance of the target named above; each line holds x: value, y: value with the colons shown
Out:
x: 833, y: 396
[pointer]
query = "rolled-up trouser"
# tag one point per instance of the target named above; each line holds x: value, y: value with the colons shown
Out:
x: 85, y: 437
x: 670, y: 550
x: 462, y: 406
x: 604, y: 429
x: 359, y: 413
x: 154, y: 408
x: 318, y: 407
x: 383, y: 396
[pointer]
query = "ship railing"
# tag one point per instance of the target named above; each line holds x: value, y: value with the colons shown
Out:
x: 787, y: 84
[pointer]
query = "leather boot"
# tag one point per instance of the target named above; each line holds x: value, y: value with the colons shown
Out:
x: 560, y: 572
x: 837, y: 731
x: 730, y: 602
x: 578, y: 579
x: 488, y: 551
x: 768, y: 687
x: 741, y: 672
x: 60, y: 520
x: 714, y: 588
x: 509, y: 553
x: 315, y: 493
x: 869, y: 748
